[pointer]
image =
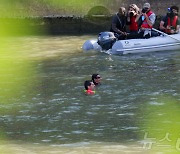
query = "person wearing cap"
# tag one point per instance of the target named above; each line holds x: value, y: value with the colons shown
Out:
x: 89, y: 87
x: 146, y: 18
x: 96, y: 79
x: 170, y: 23
x: 118, y: 25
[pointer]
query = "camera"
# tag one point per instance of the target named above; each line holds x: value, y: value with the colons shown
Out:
x: 144, y: 10
x: 172, y: 28
x: 171, y: 14
x: 131, y: 13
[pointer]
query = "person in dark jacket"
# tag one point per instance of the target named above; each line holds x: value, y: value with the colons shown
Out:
x: 118, y: 25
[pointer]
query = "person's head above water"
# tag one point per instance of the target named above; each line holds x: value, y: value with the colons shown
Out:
x: 89, y: 87
x: 96, y: 78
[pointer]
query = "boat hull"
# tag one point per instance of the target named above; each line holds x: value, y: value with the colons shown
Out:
x: 160, y: 43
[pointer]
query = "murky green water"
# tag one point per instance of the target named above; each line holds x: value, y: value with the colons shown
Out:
x: 139, y: 95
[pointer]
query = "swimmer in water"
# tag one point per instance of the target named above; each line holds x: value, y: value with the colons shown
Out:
x: 89, y: 87
x: 96, y: 78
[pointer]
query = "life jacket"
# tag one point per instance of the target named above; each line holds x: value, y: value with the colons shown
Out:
x: 134, y: 25
x: 145, y: 24
x: 171, y: 23
x: 89, y: 92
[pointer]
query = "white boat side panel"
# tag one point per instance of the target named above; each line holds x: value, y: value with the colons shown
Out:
x: 160, y: 43
x: 146, y: 45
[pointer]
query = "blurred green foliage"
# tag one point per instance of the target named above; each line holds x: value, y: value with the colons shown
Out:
x: 15, y: 70
x: 162, y: 123
x: 26, y: 8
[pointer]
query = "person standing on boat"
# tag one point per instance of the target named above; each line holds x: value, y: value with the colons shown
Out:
x: 118, y: 25
x: 133, y: 12
x: 146, y: 18
x: 170, y: 23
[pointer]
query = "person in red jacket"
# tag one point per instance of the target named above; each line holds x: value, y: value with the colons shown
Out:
x: 170, y: 23
x: 133, y: 12
x: 89, y: 87
x: 146, y: 20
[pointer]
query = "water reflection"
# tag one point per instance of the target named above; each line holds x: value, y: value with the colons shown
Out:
x: 57, y: 112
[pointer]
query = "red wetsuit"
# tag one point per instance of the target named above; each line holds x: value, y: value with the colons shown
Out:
x: 89, y: 92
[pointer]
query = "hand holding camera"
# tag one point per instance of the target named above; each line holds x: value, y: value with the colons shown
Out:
x: 144, y: 10
x: 131, y: 13
x: 171, y: 29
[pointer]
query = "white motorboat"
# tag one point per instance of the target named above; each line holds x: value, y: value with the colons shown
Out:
x: 106, y: 41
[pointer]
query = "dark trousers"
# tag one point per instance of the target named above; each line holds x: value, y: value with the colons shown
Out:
x: 136, y: 35
x: 140, y: 35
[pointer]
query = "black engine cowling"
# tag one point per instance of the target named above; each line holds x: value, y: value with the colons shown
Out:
x: 106, y: 40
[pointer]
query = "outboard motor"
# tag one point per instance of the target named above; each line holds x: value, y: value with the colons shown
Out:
x: 106, y: 40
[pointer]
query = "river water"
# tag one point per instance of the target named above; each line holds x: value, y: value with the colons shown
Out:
x: 47, y: 111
